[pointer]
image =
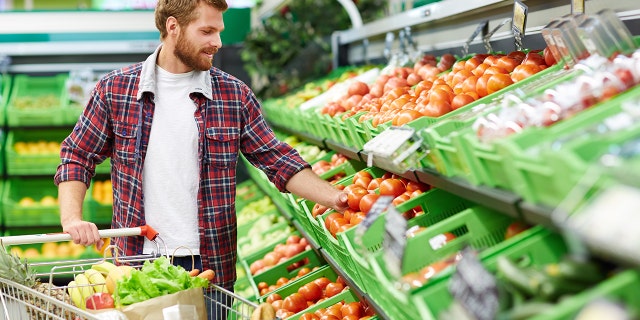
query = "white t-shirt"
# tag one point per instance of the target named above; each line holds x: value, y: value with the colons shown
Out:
x: 170, y: 175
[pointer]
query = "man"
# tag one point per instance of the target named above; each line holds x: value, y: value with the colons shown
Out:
x: 173, y: 127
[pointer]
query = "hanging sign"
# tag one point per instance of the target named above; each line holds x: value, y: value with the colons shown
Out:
x: 519, y: 22
x: 474, y: 288
x: 577, y: 6
x: 395, y: 241
x: 377, y: 208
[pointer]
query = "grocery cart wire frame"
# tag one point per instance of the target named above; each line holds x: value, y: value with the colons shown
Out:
x: 21, y: 302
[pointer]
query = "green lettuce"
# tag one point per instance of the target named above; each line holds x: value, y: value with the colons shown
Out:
x: 155, y: 279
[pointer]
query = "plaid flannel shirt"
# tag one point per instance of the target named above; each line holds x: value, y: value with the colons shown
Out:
x: 116, y: 123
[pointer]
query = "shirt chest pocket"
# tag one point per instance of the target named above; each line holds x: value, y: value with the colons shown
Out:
x: 222, y: 146
x: 125, y: 149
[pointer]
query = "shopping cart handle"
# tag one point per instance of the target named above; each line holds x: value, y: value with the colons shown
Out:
x: 145, y: 231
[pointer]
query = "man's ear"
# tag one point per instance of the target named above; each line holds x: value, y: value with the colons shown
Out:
x: 173, y: 28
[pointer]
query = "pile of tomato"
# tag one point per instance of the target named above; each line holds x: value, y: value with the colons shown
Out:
x: 308, y: 294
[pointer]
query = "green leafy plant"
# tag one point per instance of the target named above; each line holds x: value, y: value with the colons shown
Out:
x: 293, y: 46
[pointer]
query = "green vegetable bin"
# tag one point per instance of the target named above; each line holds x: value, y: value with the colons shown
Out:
x: 622, y: 289
x: 540, y: 173
x: 436, y: 204
x: 38, y: 100
x: 271, y: 275
x: 5, y: 91
x: 478, y: 227
x: 33, y: 163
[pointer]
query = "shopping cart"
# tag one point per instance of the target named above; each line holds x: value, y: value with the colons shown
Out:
x: 49, y: 301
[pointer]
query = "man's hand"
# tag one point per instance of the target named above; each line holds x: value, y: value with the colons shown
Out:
x: 341, y: 203
x: 83, y: 232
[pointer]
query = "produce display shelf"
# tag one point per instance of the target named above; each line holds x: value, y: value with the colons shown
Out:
x: 362, y: 296
x: 349, y: 152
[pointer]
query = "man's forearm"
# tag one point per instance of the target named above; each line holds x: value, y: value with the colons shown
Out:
x: 71, y: 197
x: 309, y: 185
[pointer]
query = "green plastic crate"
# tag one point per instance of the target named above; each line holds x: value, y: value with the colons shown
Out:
x: 17, y: 214
x: 532, y: 163
x: 424, y: 122
x: 33, y: 164
x: 270, y: 276
x: 50, y: 90
x: 478, y: 226
x: 622, y: 288
x: 436, y: 204
x: 5, y: 91
x: 99, y: 213
x: 271, y: 236
x: 357, y: 134
x: 346, y: 296
x: 293, y: 286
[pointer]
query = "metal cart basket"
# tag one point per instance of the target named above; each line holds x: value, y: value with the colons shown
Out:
x: 48, y: 301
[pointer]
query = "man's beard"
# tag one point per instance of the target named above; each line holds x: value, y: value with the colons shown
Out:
x: 190, y: 56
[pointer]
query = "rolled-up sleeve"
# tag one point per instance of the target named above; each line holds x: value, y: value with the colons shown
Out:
x: 278, y: 160
x: 84, y: 148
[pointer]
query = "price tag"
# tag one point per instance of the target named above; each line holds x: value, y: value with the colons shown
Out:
x: 519, y: 22
x: 395, y: 241
x: 482, y: 27
x: 377, y: 208
x: 577, y: 6
x: 474, y: 288
x: 608, y: 221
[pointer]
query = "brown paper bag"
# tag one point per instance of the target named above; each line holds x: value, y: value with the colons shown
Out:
x: 152, y: 309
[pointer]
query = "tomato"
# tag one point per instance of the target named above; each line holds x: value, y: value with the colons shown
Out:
x: 336, y: 224
x: 355, y: 195
x: 492, y: 60
x: 460, y: 76
x: 406, y: 116
x: 263, y: 285
x: 549, y: 58
x: 524, y: 71
x: 356, y: 218
x: 283, y: 313
x: 332, y: 289
x: 322, y: 282
x: 295, y: 303
x: 392, y: 187
x: 330, y: 317
x: 330, y: 217
x: 318, y: 209
x: 352, y: 309
x: 497, y: 82
x: 367, y: 202
x: 515, y: 228
x: 357, y: 88
x: 277, y: 304
x: 507, y: 63
x: 273, y: 297
x: 309, y: 316
x: 446, y: 61
x: 495, y: 70
x: 481, y: 85
x: 303, y: 271
x: 362, y: 178
x: 480, y: 69
x: 517, y: 55
x: 461, y: 100
x: 281, y: 281
x: 311, y: 291
x: 400, y: 199
x: 423, y: 85
x: 436, y: 108
x: 374, y: 184
x: 472, y: 63
x: 469, y: 84
x: 534, y: 58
